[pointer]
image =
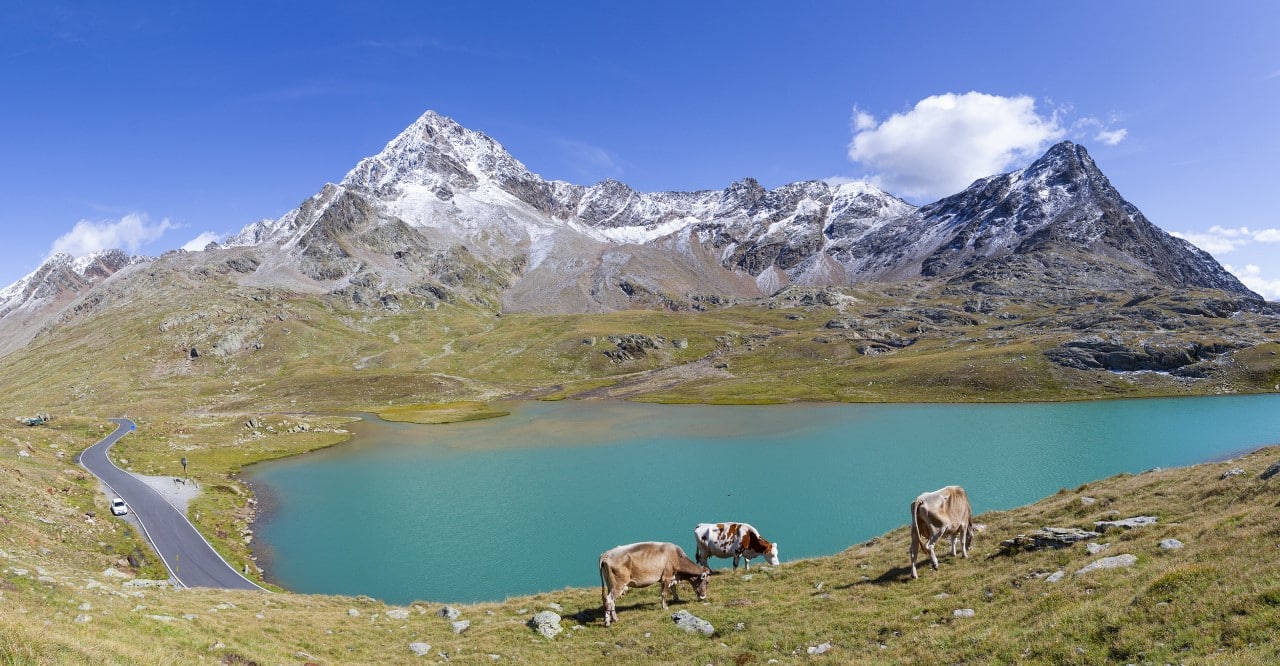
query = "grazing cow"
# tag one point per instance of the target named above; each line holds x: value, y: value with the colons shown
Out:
x: 643, y: 564
x: 736, y: 540
x: 936, y: 515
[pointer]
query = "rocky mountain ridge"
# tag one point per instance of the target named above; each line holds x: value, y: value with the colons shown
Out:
x: 57, y: 282
x: 555, y: 246
x: 444, y: 214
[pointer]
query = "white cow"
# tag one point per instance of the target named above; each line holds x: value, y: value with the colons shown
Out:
x: 736, y: 540
x: 643, y: 564
x: 936, y: 515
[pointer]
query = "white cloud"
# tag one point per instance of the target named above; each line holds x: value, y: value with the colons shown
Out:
x: 1221, y: 240
x: 199, y: 242
x: 1251, y: 276
x: 863, y: 121
x: 947, y: 141
x: 1111, y: 137
x: 129, y: 233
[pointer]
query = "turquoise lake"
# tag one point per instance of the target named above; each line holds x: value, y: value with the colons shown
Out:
x: 523, y: 504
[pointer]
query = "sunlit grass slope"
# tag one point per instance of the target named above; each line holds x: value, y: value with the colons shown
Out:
x: 1215, y: 599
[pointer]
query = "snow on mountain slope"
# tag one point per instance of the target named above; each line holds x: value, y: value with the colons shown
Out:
x: 456, y: 187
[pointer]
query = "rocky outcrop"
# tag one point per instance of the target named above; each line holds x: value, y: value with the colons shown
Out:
x: 1048, y: 537
x: 1125, y: 524
x: 1116, y: 562
x: 1095, y: 353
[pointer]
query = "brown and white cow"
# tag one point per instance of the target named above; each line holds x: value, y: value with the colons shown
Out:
x: 937, y: 515
x: 736, y: 540
x: 643, y: 564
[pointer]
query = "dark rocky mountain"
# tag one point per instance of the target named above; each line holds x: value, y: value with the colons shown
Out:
x: 1061, y: 218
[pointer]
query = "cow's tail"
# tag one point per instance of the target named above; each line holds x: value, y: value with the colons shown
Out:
x: 604, y: 588
x: 916, y: 542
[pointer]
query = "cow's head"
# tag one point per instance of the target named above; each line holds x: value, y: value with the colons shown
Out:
x: 968, y: 535
x: 771, y: 554
x: 699, y: 583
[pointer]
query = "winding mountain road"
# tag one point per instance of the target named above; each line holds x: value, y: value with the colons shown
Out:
x: 191, y: 561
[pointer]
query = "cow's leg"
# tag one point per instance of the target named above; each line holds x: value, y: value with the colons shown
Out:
x: 663, y: 584
x: 736, y: 557
x: 610, y: 610
x: 955, y: 536
x: 964, y: 541
x: 915, y: 545
x: 933, y: 556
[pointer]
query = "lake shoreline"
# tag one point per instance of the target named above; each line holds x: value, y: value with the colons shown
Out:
x: 762, y: 442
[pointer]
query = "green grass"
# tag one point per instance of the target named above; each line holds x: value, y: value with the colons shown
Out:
x: 272, y: 363
x: 1214, y: 600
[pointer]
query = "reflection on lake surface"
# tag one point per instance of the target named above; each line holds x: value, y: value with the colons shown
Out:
x: 489, y: 509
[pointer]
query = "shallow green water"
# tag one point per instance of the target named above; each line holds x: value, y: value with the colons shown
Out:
x: 522, y: 504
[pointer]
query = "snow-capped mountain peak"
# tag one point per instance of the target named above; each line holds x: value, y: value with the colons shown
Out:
x: 435, y: 151
x: 572, y: 244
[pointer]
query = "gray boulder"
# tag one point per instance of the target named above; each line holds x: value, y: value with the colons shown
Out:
x: 546, y: 623
x: 420, y: 649
x: 449, y: 613
x: 1272, y: 470
x: 693, y: 624
x: 1170, y: 544
x: 1095, y: 548
x: 460, y: 626
x: 1126, y: 523
x: 1234, y: 471
x: 1117, y: 562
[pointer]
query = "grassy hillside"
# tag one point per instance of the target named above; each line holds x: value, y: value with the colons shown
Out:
x: 1216, y: 599
x: 227, y: 375
x: 178, y: 343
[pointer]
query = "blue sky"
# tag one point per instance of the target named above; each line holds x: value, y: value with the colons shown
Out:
x: 147, y: 125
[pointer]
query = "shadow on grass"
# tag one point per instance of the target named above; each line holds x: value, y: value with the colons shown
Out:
x: 596, y: 613
x: 894, y: 575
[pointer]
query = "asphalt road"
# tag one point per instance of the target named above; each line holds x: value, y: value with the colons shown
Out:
x: 192, y: 562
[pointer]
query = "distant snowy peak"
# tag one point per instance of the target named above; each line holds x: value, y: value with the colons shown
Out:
x: 63, y: 275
